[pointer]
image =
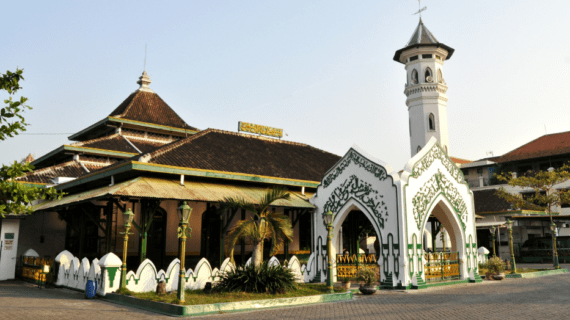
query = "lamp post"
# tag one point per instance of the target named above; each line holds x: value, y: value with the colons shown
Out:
x: 184, y: 212
x: 493, y: 231
x: 128, y: 217
x: 329, y: 222
x: 555, y: 256
x: 513, y: 264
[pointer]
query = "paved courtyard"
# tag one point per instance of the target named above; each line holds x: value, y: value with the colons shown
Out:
x: 539, y: 298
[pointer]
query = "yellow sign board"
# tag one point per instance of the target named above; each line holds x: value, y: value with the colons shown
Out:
x: 264, y: 130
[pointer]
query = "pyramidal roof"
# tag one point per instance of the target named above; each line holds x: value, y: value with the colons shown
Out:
x: 146, y: 106
x: 422, y: 37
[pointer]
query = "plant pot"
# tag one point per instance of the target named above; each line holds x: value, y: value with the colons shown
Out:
x: 367, y: 289
x: 346, y: 285
x: 499, y: 276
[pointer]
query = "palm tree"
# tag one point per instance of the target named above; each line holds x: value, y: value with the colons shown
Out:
x: 263, y: 225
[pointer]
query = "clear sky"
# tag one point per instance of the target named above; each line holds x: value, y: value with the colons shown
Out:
x: 321, y: 70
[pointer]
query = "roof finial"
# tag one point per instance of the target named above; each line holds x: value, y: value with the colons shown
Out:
x: 144, y: 81
x: 420, y: 9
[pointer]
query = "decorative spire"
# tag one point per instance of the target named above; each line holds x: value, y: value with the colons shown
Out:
x: 144, y: 81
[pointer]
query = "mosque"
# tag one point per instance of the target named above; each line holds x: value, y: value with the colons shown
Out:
x: 143, y: 157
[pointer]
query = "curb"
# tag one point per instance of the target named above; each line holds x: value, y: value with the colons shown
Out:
x: 225, y: 307
x: 537, y: 274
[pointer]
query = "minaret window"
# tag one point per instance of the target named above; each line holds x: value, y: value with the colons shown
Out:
x: 414, y: 76
x: 429, y: 75
x: 431, y: 120
x: 439, y: 75
x: 419, y: 149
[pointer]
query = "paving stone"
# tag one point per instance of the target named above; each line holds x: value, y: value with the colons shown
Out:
x: 536, y: 298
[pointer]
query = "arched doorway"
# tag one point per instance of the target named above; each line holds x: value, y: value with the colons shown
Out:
x: 442, y: 259
x: 358, y: 245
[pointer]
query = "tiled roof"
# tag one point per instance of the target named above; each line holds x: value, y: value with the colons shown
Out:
x: 70, y: 169
x: 149, y: 107
x: 548, y: 145
x: 243, y: 153
x: 488, y: 201
x: 115, y: 142
x: 459, y: 160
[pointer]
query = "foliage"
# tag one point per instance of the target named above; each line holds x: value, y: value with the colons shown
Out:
x: 16, y: 198
x: 265, y: 224
x: 542, y: 184
x: 494, y: 265
x: 260, y: 279
x: 366, y: 275
x: 195, y: 297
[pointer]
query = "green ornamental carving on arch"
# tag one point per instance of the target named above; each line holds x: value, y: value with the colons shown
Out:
x: 427, y: 193
x: 437, y: 153
x: 353, y: 156
x: 363, y: 191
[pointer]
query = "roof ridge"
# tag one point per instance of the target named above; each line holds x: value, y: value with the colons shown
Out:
x: 145, y: 157
x: 81, y: 143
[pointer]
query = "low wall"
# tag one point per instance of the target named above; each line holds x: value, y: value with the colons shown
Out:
x: 106, y: 272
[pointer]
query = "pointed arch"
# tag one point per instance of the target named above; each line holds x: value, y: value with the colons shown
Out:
x: 415, y: 78
x: 439, y: 75
x: 431, y: 122
x: 428, y: 75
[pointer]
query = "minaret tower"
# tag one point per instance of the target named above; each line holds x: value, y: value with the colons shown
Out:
x: 425, y: 90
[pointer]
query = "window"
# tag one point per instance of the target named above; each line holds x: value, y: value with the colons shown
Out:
x: 431, y: 121
x: 410, y: 127
x: 429, y: 75
x: 414, y: 58
x: 480, y: 172
x: 419, y: 149
x: 438, y: 57
x: 564, y: 205
x: 414, y: 76
x: 427, y: 56
x: 465, y: 172
x: 439, y: 75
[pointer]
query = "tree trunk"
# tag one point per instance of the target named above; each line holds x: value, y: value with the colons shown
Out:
x: 257, y: 255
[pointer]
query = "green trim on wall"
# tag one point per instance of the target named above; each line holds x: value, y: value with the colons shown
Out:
x: 537, y: 274
x: 112, y: 273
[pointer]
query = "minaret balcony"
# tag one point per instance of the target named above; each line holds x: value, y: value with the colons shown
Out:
x: 426, y: 87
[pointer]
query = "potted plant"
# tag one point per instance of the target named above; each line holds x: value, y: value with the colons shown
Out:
x: 346, y: 282
x: 495, y: 268
x: 367, y: 276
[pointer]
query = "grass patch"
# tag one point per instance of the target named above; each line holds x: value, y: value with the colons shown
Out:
x: 483, y: 271
x: 194, y: 297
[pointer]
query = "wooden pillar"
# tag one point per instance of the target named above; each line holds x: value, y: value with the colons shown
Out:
x: 286, y: 245
x: 222, y: 237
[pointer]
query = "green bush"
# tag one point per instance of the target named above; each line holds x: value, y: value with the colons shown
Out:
x: 494, y: 265
x: 265, y: 278
x: 366, y: 275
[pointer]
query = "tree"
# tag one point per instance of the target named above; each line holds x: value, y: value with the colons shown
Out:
x: 265, y: 224
x: 545, y: 195
x: 16, y: 198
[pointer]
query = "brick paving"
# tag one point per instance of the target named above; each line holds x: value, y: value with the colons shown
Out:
x: 537, y: 298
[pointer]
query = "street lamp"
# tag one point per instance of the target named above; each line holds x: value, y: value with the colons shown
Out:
x: 128, y: 217
x: 513, y: 264
x: 555, y: 259
x: 493, y: 231
x: 184, y: 212
x: 329, y: 217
